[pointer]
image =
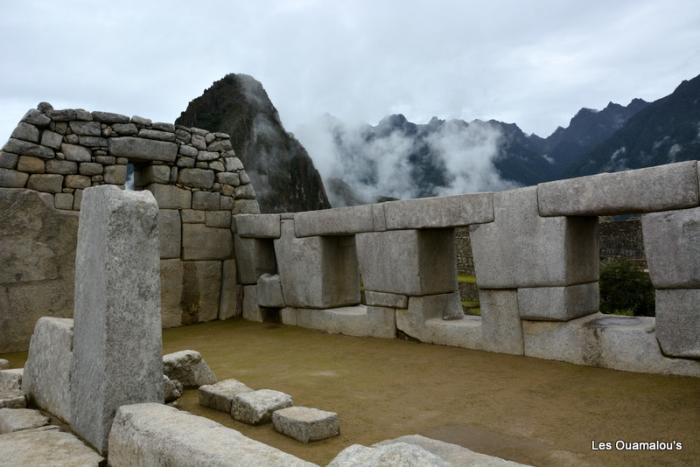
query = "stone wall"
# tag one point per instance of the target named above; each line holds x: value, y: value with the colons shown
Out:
x: 53, y: 155
x: 536, y: 256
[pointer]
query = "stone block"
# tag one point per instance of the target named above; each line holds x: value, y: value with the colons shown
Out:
x: 189, y: 368
x: 661, y: 188
x: 269, y: 291
x: 31, y: 164
x: 135, y: 148
x: 408, y: 262
x: 394, y: 454
x: 12, y: 399
x: 251, y: 311
x: 49, y: 183
x: 4, y: 364
x: 246, y: 206
x: 193, y: 216
x: 221, y: 219
x: 25, y: 148
x: 558, y: 303
x: 306, y: 424
x: 76, y: 153
x: 256, y: 407
x: 229, y: 305
x: 11, y: 380
x: 672, y: 248
x: 51, y: 139
x: 63, y: 201
x: 170, y: 233
x: 91, y: 168
x: 26, y: 132
x: 155, y: 435
x: 420, y: 309
x: 336, y: 221
x: 115, y: 174
x: 358, y: 321
x: 156, y: 134
x: 190, y: 291
x: 500, y: 321
x: 86, y: 128
x: 385, y: 299
x: 46, y: 379
x: 117, y: 244
x: 56, y: 166
x: 47, y: 446
x: 170, y: 196
x: 219, y: 396
x: 7, y: 160
x: 12, y: 420
x: 75, y: 181
x: 446, y: 211
x: 253, y: 258
x: 172, y: 389
x: 258, y: 225
x: 206, y: 201
x: 317, y: 272
x: 202, y: 242
x: 678, y: 322
x: 197, y: 178
x: 12, y: 178
x: 522, y: 249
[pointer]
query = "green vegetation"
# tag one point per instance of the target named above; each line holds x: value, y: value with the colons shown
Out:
x: 625, y: 289
x: 466, y: 279
x: 471, y: 307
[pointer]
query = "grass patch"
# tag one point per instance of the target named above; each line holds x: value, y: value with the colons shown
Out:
x: 466, y: 279
x: 471, y: 307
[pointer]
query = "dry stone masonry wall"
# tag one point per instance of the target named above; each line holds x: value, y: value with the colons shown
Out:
x: 390, y: 269
x: 53, y: 155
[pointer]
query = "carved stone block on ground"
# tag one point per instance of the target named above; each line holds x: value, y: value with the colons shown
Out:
x: 47, y: 446
x: 189, y: 368
x: 172, y: 389
x: 21, y: 419
x: 256, y: 407
x: 306, y: 424
x: 219, y: 396
x: 403, y: 454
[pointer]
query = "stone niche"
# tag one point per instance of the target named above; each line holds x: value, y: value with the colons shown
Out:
x: 53, y: 155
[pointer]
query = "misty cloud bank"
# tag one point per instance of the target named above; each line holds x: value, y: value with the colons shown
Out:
x: 399, y: 159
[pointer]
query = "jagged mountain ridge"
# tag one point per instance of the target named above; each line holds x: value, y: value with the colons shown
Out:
x: 281, y: 171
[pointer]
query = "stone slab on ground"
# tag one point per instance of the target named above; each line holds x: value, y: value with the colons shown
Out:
x: 219, y: 396
x: 393, y: 454
x: 256, y: 407
x: 172, y: 389
x: 117, y: 323
x: 306, y: 424
x: 46, y: 447
x: 11, y: 380
x: 189, y: 368
x: 453, y: 454
x: 46, y: 380
x: 154, y: 435
x: 21, y: 419
x: 12, y: 399
x: 662, y: 188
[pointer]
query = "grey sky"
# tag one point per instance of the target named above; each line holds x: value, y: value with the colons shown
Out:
x: 534, y: 63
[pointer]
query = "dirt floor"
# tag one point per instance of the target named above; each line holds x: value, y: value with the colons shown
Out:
x: 528, y: 410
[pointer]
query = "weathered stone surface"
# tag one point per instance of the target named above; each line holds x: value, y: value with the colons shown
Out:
x: 143, y: 149
x: 420, y: 309
x: 246, y: 206
x: 26, y: 132
x: 256, y: 407
x: 661, y: 188
x: 233, y: 163
x: 12, y: 178
x: 403, y: 454
x: 86, y: 128
x: 193, y: 216
x: 306, y: 424
x: 75, y: 153
x: 170, y: 230
x: 245, y: 192
x: 91, y: 168
x: 522, y: 249
x: 189, y: 291
x: 46, y: 446
x: 229, y: 303
x: 251, y: 310
x: 157, y: 134
x: 672, y: 248
x: 453, y: 454
x: 228, y: 178
x: 221, y: 219
x: 385, y: 299
x: 220, y: 395
x: 4, y: 364
x: 7, y: 160
x: 31, y: 165
x: 38, y: 260
x: 171, y: 288
x: 317, y: 272
x: 152, y: 174
x: 170, y: 196
x: 110, y: 117
x: 11, y: 380
x: 74, y: 181
x: 63, y: 201
x: 206, y: 201
x: 202, y: 242
x: 678, y: 322
x: 117, y: 244
x: 198, y: 178
x: 253, y: 258
x: 125, y: 129
x: 558, y: 303
x: 12, y: 399
x: 115, y: 174
x: 172, y: 389
x: 207, y: 155
x: 189, y: 368
x: 49, y: 183
x: 12, y: 420
x: 269, y: 291
x: 447, y: 211
x: 258, y: 225
x: 46, y: 380
x: 51, y: 139
x: 359, y: 321
x: 336, y: 221
x: 410, y: 262
x: 154, y: 435
x: 35, y: 117
x: 61, y: 167
x: 500, y: 321
x: 188, y: 150
x: 24, y: 148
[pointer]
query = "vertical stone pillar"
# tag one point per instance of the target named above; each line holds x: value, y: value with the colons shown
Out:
x: 117, y: 323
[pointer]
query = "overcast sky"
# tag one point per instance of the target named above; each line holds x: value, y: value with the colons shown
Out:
x: 533, y: 63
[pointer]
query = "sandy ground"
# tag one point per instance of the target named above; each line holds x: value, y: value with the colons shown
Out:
x: 528, y: 410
